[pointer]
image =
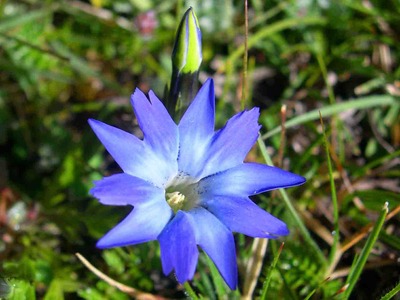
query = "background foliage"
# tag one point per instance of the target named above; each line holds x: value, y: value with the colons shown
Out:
x: 62, y: 62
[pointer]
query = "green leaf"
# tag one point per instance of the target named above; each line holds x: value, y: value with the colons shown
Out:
x: 21, y: 290
x: 55, y: 291
x: 114, y: 261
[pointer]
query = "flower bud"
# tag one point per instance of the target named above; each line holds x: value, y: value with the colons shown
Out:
x: 186, y: 60
x: 187, y: 55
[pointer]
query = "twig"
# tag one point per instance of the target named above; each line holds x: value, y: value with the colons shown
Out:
x: 372, y: 265
x: 283, y: 137
x: 254, y: 267
x: 317, y: 227
x: 122, y: 287
x: 245, y: 55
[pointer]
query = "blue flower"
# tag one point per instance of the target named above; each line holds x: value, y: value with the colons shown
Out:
x: 188, y: 184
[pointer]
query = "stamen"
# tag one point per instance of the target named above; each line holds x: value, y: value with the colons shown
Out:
x: 181, y: 193
x: 175, y: 200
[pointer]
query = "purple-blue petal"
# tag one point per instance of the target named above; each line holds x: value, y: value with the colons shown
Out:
x: 217, y: 241
x: 133, y: 155
x: 196, y: 129
x: 124, y: 189
x: 243, y: 216
x: 178, y: 247
x: 247, y: 179
x: 144, y: 223
x: 159, y: 130
x: 230, y: 145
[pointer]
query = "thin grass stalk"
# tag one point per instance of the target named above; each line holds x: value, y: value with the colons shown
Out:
x: 189, y: 291
x: 327, y: 111
x: 335, y: 245
x: 306, y: 235
x: 270, y: 30
x: 268, y: 278
x: 245, y: 56
x: 393, y: 292
x: 358, y: 266
x: 324, y: 71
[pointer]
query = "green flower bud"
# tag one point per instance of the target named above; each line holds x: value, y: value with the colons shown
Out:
x: 187, y: 55
x: 186, y: 61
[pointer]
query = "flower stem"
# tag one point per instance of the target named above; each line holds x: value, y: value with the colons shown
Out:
x: 292, y: 210
x: 189, y: 291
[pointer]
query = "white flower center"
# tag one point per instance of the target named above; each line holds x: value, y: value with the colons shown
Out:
x: 181, y: 193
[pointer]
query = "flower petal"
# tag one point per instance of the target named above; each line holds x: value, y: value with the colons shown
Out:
x: 243, y: 216
x: 132, y: 155
x: 144, y: 223
x: 230, y: 145
x: 159, y: 130
x: 178, y: 247
x: 124, y: 189
x: 247, y: 179
x: 195, y: 130
x: 217, y: 241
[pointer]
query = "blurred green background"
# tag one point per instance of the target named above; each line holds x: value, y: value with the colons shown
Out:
x: 62, y: 62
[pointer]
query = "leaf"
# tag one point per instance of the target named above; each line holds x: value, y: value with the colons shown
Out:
x: 11, y: 22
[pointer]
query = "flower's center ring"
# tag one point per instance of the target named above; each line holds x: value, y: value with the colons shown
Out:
x: 182, y: 194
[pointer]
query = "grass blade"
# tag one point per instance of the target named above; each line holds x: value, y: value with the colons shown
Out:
x: 393, y: 292
x: 268, y: 278
x: 357, y: 268
x: 11, y: 22
x: 329, y: 110
x: 335, y: 244
x: 217, y: 279
x: 189, y: 291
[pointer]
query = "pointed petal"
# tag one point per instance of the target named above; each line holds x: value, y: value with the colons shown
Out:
x: 230, y: 145
x: 124, y: 189
x: 247, y: 179
x: 178, y: 247
x: 195, y: 130
x: 217, y: 241
x: 159, y: 130
x: 144, y: 223
x: 132, y: 155
x: 243, y: 216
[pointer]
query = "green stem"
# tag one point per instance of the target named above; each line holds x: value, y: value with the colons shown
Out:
x: 393, y: 292
x: 189, y: 291
x: 336, y: 235
x: 292, y: 210
x: 269, y: 276
x: 324, y: 72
